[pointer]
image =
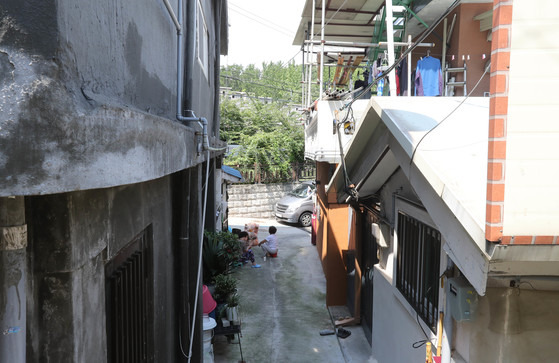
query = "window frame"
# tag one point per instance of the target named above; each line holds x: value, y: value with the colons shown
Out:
x: 429, y: 310
x: 129, y: 299
x: 202, y: 38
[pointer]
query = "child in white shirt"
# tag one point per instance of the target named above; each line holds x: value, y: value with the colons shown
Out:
x: 270, y: 243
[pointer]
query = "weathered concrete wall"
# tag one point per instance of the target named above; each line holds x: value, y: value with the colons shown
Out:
x: 255, y: 200
x: 72, y: 236
x: 88, y: 135
x: 89, y: 95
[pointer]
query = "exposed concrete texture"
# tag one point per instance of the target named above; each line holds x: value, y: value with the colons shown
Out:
x: 255, y: 200
x: 73, y: 235
x: 13, y: 278
x: 89, y: 96
x: 89, y: 137
x: 51, y: 147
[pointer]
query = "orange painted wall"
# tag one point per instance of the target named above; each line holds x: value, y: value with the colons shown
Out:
x: 322, y: 178
x: 337, y: 241
x: 331, y: 238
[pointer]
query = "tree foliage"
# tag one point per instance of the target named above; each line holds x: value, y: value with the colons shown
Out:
x: 280, y: 82
x: 269, y: 135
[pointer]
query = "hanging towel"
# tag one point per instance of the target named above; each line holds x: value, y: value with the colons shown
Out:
x: 403, y: 74
x: 428, y: 77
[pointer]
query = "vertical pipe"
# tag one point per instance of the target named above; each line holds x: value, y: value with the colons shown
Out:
x: 217, y: 65
x: 304, y: 49
x: 310, y: 55
x: 409, y: 67
x: 322, y: 50
x: 443, y: 59
x: 13, y: 275
x: 390, y: 40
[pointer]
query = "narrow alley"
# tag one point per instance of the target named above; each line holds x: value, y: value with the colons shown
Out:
x: 283, y: 309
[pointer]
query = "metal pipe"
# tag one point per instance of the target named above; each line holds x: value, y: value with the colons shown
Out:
x: 217, y: 64
x: 202, y: 121
x: 200, y: 246
x: 429, y: 45
x: 409, y: 66
x: 172, y: 14
x: 343, y: 44
x: 309, y: 98
x: 443, y: 58
x: 337, y: 65
x: 180, y: 75
x: 390, y: 38
x: 189, y: 62
x: 322, y: 51
x: 303, y: 101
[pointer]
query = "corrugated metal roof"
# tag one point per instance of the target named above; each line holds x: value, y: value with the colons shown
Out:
x: 233, y: 172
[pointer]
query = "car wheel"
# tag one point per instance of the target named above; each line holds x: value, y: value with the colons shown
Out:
x: 305, y: 219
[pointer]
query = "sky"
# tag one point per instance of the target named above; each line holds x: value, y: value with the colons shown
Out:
x: 263, y: 31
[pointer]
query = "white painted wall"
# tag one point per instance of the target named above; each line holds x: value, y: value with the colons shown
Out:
x: 394, y: 328
x: 321, y: 143
x: 532, y: 164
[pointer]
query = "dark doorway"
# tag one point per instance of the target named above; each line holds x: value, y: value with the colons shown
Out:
x: 368, y: 260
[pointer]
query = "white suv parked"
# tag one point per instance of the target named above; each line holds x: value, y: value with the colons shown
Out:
x: 297, y: 206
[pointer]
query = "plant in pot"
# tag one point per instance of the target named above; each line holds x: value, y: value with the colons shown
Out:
x: 233, y: 309
x: 212, y: 261
x: 232, y: 249
x: 225, y: 285
x: 220, y: 251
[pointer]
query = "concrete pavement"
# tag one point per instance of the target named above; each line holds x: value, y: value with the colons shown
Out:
x: 283, y: 306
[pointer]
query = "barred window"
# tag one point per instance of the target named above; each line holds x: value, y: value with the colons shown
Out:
x: 129, y: 300
x: 417, y: 266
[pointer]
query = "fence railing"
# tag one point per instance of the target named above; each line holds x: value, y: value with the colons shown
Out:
x: 254, y: 174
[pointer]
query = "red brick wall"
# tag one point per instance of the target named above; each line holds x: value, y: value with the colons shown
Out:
x: 498, y: 111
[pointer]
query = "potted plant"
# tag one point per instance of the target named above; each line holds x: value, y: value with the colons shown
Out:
x: 220, y: 251
x: 233, y: 309
x: 231, y: 250
x: 225, y: 285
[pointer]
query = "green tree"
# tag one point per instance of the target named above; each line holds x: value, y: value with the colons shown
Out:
x: 270, y: 135
x: 276, y: 80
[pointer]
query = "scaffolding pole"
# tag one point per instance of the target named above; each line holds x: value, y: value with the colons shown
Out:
x: 343, y: 44
x: 309, y: 54
x: 390, y: 39
x: 322, y: 50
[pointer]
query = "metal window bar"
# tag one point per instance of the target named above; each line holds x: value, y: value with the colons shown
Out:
x: 127, y: 333
x: 418, y: 263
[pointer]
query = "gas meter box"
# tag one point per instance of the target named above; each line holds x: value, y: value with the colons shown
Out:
x: 462, y: 298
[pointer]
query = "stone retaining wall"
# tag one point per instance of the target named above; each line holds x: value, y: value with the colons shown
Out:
x: 255, y: 200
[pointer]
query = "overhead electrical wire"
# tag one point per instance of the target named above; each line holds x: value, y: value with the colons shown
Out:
x: 289, y: 61
x: 266, y: 22
x: 450, y: 113
x: 332, y: 17
x: 260, y: 84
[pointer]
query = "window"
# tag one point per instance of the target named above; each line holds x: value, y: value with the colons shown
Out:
x: 203, y: 39
x: 129, y: 300
x: 417, y: 266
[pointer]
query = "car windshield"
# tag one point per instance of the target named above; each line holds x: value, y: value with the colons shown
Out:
x: 303, y: 190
